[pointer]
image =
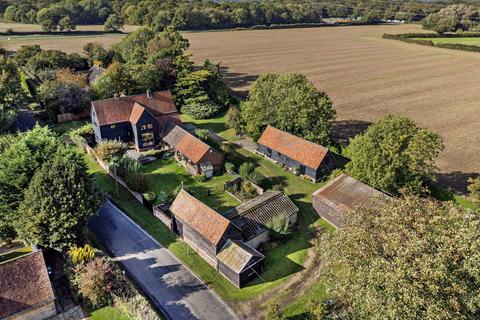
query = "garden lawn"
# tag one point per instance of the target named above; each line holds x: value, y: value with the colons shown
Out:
x: 167, y: 176
x: 216, y: 125
x: 470, y: 41
x: 108, y: 313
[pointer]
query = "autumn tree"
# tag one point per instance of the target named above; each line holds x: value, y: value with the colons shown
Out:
x: 412, y: 258
x: 57, y: 203
x: 291, y: 103
x: 452, y: 18
x: 394, y: 154
x: 114, y: 22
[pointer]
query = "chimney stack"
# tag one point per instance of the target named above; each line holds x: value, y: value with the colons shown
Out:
x: 149, y: 94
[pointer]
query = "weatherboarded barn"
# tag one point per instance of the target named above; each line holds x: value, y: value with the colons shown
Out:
x: 254, y: 216
x: 307, y: 158
x: 194, y: 154
x: 204, y: 229
x: 239, y: 262
x: 25, y: 289
x: 342, y: 193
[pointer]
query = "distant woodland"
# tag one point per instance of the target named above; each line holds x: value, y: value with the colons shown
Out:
x: 184, y: 14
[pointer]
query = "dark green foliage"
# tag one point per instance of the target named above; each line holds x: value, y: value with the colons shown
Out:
x: 453, y: 18
x: 245, y: 169
x: 12, y: 95
x: 234, y: 120
x: 291, y: 103
x: 280, y: 228
x: 57, y: 203
x: 114, y: 22
x: 137, y: 181
x: 394, y: 154
x: 97, y: 54
x: 407, y: 37
x: 38, y: 60
x: 474, y: 188
x: 256, y: 178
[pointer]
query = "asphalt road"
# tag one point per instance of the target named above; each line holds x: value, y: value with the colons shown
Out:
x: 176, y: 291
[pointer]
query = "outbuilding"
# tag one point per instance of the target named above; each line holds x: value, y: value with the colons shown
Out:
x: 239, y: 262
x: 343, y: 193
x: 302, y: 156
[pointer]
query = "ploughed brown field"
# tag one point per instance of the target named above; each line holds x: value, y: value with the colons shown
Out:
x: 367, y: 77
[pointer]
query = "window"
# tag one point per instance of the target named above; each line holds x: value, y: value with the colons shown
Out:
x: 112, y: 126
x: 149, y: 126
x: 144, y: 127
x: 147, y: 137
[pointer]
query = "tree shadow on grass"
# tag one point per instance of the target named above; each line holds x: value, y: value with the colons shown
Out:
x: 237, y: 81
x: 343, y: 130
x: 456, y: 181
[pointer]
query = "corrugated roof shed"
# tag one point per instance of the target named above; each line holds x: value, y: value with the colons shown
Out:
x: 253, y: 216
x: 115, y: 110
x: 344, y: 192
x: 187, y: 144
x: 236, y: 255
x: 296, y: 148
x: 24, y: 284
x: 206, y: 221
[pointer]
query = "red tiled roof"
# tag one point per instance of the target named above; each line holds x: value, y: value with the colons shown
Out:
x: 115, y: 110
x: 206, y: 221
x: 137, y: 112
x: 296, y: 148
x: 24, y: 284
x: 187, y: 144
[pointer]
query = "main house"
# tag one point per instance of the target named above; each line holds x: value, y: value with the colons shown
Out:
x: 25, y: 288
x: 305, y: 157
x: 343, y: 193
x: 142, y: 119
x: 194, y: 154
x: 215, y: 239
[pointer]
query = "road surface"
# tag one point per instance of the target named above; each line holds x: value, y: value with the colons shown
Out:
x: 175, y: 290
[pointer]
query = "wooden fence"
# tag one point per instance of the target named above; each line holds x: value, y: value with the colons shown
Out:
x: 163, y: 216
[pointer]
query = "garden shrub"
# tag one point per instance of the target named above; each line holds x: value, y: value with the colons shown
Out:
x: 80, y: 255
x: 203, y: 134
x: 107, y: 149
x: 96, y: 281
x: 256, y: 178
x: 200, y: 107
x: 229, y: 168
x: 124, y: 165
x: 280, y: 228
x: 137, y: 181
x: 245, y: 169
x: 474, y: 189
x: 248, y: 191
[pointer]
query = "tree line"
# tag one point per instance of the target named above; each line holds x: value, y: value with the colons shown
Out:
x: 65, y: 14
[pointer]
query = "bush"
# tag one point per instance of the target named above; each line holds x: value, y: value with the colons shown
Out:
x: 80, y: 255
x: 203, y: 134
x: 234, y: 120
x: 281, y: 228
x: 256, y: 178
x: 474, y: 189
x: 96, y: 281
x: 200, y: 108
x: 124, y: 165
x: 137, y: 181
x: 229, y: 167
x: 248, y: 191
x: 245, y: 169
x: 107, y: 149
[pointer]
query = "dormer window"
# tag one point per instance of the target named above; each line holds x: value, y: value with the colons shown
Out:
x: 112, y: 126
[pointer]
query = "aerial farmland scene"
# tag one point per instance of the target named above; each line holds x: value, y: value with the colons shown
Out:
x: 257, y: 159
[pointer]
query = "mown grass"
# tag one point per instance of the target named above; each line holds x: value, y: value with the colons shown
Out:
x: 108, y: 313
x: 216, y: 125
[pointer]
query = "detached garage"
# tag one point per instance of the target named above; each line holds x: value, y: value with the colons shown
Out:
x: 239, y: 262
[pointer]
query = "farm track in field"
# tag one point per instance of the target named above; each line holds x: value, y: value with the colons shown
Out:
x: 367, y: 77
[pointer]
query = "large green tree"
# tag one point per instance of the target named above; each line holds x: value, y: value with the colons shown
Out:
x: 12, y: 95
x: 19, y: 160
x: 291, y: 103
x: 412, y: 258
x: 57, y: 203
x: 394, y: 154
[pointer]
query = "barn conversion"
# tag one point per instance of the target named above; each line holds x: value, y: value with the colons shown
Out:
x: 305, y: 157
x: 194, y: 154
x: 25, y: 288
x: 342, y: 193
x: 204, y: 229
x: 215, y: 239
x: 142, y: 119
x: 254, y: 216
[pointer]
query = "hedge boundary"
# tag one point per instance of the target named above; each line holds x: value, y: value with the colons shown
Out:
x: 407, y: 37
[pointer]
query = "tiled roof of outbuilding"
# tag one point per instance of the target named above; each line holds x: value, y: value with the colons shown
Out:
x: 115, y: 110
x: 296, y: 148
x: 253, y: 216
x: 237, y: 255
x: 187, y: 144
x: 206, y: 221
x: 24, y: 284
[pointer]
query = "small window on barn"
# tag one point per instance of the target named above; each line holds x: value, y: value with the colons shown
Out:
x: 147, y: 137
x: 144, y: 126
x: 112, y: 126
x: 149, y: 126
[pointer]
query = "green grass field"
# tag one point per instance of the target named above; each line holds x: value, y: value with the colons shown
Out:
x: 108, y: 313
x: 471, y: 41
